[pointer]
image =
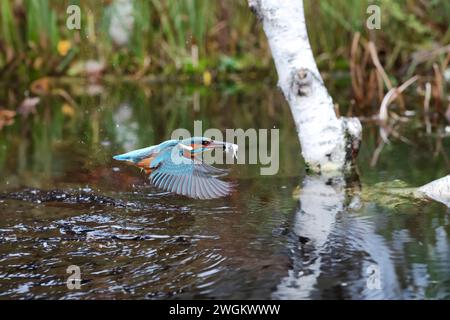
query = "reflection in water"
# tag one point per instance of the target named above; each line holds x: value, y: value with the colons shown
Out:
x: 126, y: 128
x: 328, y: 234
x: 338, y: 253
x: 132, y: 240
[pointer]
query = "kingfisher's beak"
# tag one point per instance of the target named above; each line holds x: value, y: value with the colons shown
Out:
x: 225, y: 146
x: 217, y: 145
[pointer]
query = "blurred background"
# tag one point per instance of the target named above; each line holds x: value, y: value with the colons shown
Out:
x: 207, y: 41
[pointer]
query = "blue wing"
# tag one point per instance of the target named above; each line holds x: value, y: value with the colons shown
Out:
x: 189, y: 177
x: 137, y: 155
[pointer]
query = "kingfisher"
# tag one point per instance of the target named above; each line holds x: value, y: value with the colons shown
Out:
x: 177, y: 166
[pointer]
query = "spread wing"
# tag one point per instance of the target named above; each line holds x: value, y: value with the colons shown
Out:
x: 139, y: 155
x: 189, y: 177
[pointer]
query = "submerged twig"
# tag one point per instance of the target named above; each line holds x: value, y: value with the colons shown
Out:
x: 391, y: 96
x: 355, y: 72
x: 376, y: 62
x: 376, y: 154
x: 426, y: 107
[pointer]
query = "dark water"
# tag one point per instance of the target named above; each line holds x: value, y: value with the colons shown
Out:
x: 65, y: 202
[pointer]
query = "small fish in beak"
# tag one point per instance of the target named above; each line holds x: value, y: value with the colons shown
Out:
x: 226, y: 146
x: 231, y: 147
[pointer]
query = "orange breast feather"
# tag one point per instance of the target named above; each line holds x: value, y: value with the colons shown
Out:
x: 145, y: 164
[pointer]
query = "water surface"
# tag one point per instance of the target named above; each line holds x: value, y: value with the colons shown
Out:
x: 290, y: 236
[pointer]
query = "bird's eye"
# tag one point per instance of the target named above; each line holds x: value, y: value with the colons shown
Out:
x: 205, y: 142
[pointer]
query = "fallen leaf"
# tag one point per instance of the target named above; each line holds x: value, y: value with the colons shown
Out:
x: 94, y: 70
x: 37, y: 64
x: 68, y: 110
x: 28, y: 106
x: 63, y: 47
x: 41, y: 86
x: 6, y: 118
x: 207, y: 78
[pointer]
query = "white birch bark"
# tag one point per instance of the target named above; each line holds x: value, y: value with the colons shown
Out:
x: 328, y: 143
x: 438, y: 190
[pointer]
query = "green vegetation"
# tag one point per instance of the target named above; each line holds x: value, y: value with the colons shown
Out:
x: 220, y: 41
x: 191, y: 36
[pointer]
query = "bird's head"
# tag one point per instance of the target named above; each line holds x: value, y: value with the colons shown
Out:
x: 198, y: 145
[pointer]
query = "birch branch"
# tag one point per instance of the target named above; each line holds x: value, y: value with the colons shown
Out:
x: 328, y: 143
x: 438, y: 190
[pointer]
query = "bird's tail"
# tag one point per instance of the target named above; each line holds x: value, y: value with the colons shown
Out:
x: 135, y: 155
